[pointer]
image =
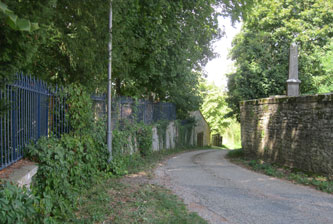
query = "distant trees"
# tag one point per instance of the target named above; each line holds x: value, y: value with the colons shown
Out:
x: 215, y: 107
x: 215, y: 110
x: 325, y: 82
x: 261, y: 49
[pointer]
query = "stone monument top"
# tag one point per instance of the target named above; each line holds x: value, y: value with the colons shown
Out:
x: 293, y: 81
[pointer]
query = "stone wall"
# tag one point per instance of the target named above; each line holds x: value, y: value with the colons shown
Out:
x: 171, y: 137
x: 292, y: 131
x: 165, y: 142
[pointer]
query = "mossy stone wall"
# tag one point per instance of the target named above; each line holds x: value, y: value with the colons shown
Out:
x: 292, y: 131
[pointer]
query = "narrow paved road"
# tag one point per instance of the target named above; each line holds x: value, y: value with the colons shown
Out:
x: 222, y: 192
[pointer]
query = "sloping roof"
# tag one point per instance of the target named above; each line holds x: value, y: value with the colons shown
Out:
x: 192, y: 112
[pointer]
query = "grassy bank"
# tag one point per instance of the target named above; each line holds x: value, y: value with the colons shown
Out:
x: 132, y: 199
x: 319, y: 182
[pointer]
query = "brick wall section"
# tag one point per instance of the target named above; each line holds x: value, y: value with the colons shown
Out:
x: 292, y: 131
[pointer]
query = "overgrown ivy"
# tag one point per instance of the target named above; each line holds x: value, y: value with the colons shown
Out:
x: 71, y: 163
x: 129, y: 137
x: 185, y: 129
x: 161, y: 127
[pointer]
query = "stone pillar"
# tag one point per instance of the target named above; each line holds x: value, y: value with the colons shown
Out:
x: 293, y: 81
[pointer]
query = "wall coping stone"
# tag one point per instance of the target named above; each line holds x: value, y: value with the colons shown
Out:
x: 327, y: 97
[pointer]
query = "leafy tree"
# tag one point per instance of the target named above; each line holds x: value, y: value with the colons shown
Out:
x: 172, y: 43
x: 17, y: 47
x: 214, y: 107
x: 19, y: 40
x: 215, y: 110
x: 76, y: 50
x: 237, y: 10
x: 261, y: 50
x: 159, y: 46
x: 325, y: 82
x: 15, y: 22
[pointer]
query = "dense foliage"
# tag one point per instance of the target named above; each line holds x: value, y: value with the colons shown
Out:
x: 17, y: 205
x: 71, y: 163
x: 215, y: 109
x: 325, y: 82
x: 15, y: 22
x: 157, y: 45
x: 261, y: 50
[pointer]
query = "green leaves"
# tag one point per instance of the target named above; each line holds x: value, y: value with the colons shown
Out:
x: 215, y: 108
x: 261, y: 50
x: 144, y: 138
x: 216, y: 111
x: 17, y: 205
x: 15, y: 22
x: 172, y: 43
x: 71, y: 163
x: 325, y: 82
x: 80, y: 104
x: 158, y: 45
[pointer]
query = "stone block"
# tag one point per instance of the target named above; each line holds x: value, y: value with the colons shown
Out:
x: 23, y: 175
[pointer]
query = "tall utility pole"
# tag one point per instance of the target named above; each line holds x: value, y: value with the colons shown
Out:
x: 109, y: 132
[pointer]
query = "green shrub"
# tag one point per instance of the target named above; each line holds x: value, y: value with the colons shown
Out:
x: 71, y: 163
x: 66, y: 166
x: 121, y: 164
x: 185, y: 132
x: 123, y: 157
x: 120, y: 141
x: 17, y: 205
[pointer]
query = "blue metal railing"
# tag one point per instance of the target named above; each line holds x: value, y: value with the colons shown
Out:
x: 35, y: 110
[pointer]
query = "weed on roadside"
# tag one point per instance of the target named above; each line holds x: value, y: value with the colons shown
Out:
x: 236, y: 153
x: 131, y: 199
x: 297, y: 176
x: 115, y: 201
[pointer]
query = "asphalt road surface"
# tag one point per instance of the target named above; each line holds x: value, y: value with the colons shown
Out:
x: 222, y: 192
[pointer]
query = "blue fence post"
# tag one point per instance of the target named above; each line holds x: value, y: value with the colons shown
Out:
x: 13, y: 153
x: 38, y: 115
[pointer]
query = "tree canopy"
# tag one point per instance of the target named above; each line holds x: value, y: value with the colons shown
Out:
x: 261, y: 50
x: 159, y: 47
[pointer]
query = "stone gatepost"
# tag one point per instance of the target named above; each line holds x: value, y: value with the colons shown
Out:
x: 293, y: 81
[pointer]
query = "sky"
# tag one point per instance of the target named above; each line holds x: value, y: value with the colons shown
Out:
x: 221, y: 65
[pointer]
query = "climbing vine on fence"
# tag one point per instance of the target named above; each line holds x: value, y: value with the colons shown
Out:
x: 71, y: 163
x: 185, y: 129
x: 161, y: 131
